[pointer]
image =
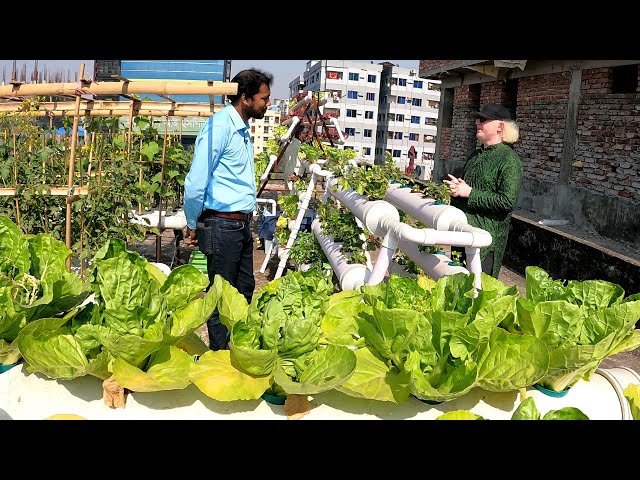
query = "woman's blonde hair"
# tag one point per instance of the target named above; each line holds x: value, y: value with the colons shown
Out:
x: 511, y: 132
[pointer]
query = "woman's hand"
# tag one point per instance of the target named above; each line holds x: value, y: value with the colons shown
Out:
x: 458, y: 187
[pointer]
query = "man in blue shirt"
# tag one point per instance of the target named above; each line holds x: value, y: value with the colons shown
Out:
x: 220, y: 191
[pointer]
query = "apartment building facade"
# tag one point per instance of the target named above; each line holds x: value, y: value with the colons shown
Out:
x: 262, y: 129
x: 381, y: 107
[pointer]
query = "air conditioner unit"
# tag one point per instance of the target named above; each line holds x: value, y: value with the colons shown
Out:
x: 422, y: 172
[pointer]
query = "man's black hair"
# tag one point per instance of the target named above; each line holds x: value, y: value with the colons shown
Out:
x: 249, y: 82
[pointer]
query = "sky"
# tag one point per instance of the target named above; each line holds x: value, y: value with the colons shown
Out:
x: 283, y: 70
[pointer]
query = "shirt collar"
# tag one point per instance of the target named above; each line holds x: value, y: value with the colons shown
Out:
x: 238, y: 123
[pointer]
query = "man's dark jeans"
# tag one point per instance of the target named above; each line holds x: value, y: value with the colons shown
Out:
x: 228, y: 246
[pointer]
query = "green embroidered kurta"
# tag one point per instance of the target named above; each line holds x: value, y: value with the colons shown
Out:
x: 495, y: 175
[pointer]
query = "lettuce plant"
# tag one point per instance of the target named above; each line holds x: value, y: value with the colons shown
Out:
x: 140, y: 326
x: 287, y: 340
x: 34, y: 283
x: 580, y: 322
x: 438, y: 344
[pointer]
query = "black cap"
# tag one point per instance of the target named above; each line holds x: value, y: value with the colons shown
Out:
x: 493, y: 111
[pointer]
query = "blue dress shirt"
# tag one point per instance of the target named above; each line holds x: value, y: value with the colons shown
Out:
x: 222, y: 174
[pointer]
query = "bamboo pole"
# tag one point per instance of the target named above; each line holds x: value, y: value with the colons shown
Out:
x: 164, y: 151
x: 131, y: 87
x: 72, y: 162
x: 15, y: 178
x: 107, y: 107
x: 140, y: 174
x: 130, y: 131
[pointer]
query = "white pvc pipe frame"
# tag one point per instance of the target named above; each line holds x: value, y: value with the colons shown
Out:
x: 382, y: 219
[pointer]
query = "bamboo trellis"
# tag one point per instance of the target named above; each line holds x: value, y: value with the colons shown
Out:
x: 16, y: 92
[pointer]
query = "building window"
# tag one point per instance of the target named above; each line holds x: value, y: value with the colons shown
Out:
x: 429, y: 121
x: 264, y: 149
x: 253, y: 129
x: 352, y: 94
x: 413, y: 137
x: 396, y: 154
x: 371, y: 96
x: 264, y: 139
x: 416, y: 102
x: 354, y: 76
x: 391, y: 117
x: 371, y: 78
x: 402, y: 82
x: 402, y: 100
x: 417, y: 84
x: 366, y: 150
x: 397, y: 136
x: 429, y: 138
x: 399, y: 117
x: 348, y: 147
x: 394, y: 81
x: 351, y: 113
x: 368, y: 114
x: 431, y: 104
x: 367, y: 133
x: 350, y: 131
x: 266, y: 119
x: 415, y: 119
x: 276, y: 120
x: 433, y: 86
x: 625, y: 79
x: 333, y: 75
x: 253, y: 139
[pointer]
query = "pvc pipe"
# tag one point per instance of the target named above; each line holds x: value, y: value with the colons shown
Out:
x: 388, y: 248
x: 294, y: 121
x: 300, y: 103
x: 302, y: 208
x: 272, y: 160
x: 434, y: 265
x: 475, y: 266
x: 620, y: 378
x: 369, y: 212
x: 362, y: 237
x: 440, y: 217
x: 334, y: 121
x: 177, y: 221
x: 270, y: 246
x: 350, y: 276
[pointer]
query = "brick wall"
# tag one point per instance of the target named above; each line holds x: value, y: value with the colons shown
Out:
x: 461, y: 137
x: 541, y: 115
x: 607, y: 158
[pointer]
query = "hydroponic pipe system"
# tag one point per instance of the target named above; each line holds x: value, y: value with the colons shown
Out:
x: 382, y: 219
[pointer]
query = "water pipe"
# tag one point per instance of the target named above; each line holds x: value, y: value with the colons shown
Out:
x: 341, y: 139
x: 434, y: 265
x: 350, y: 276
x: 425, y: 210
x: 177, y: 221
x: 272, y: 161
x: 294, y: 122
x: 387, y: 249
x: 303, y: 101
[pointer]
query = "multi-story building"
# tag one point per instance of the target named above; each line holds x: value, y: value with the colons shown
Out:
x: 262, y: 129
x: 382, y: 108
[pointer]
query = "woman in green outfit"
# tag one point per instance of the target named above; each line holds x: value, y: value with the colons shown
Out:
x: 488, y: 190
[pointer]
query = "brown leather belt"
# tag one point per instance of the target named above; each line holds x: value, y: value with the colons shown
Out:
x: 244, y: 217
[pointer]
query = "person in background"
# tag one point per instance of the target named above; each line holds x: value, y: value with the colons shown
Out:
x: 220, y: 191
x: 292, y: 169
x: 488, y: 190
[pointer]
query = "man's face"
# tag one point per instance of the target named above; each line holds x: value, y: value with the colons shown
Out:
x: 488, y: 130
x: 260, y: 102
